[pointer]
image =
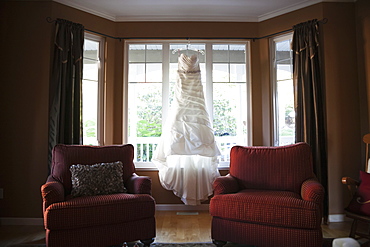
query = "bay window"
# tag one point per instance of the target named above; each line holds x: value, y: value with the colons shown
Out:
x: 151, y: 75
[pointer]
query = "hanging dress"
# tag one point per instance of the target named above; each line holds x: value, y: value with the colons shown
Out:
x: 186, y: 155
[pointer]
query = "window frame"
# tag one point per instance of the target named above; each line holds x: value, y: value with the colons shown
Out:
x: 148, y: 166
x: 101, y: 85
x: 273, y: 70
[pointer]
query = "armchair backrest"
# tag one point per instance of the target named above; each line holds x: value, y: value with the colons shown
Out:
x: 66, y: 155
x: 272, y: 168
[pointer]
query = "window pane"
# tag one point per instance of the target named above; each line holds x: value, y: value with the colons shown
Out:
x: 144, y: 118
x: 154, y: 72
x: 237, y: 53
x: 137, y: 72
x: 173, y: 72
x: 91, y: 115
x: 90, y: 70
x: 284, y: 72
x: 90, y: 112
x: 284, y: 93
x: 286, y: 114
x: 224, y: 109
x: 137, y: 54
x: 283, y: 50
x: 221, y: 54
x: 154, y: 53
x: 91, y: 49
x: 237, y: 73
x: 220, y: 72
x: 229, y: 117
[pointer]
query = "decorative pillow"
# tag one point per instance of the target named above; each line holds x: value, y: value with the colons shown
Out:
x: 97, y: 179
x: 360, y: 203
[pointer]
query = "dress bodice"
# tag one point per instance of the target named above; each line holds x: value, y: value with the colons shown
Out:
x: 188, y: 64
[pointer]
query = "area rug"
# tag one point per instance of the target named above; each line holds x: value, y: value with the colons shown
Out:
x: 327, y: 243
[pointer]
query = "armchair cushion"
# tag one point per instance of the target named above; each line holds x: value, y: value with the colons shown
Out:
x: 360, y: 203
x: 111, y: 209
x: 275, y: 208
x: 97, y: 179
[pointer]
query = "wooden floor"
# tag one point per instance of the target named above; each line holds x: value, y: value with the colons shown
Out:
x: 172, y: 227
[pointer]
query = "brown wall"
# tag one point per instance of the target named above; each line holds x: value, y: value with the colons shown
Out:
x: 26, y: 48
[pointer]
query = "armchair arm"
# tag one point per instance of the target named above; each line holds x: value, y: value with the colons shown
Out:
x: 225, y: 185
x: 52, y: 191
x: 312, y: 190
x: 139, y: 184
x: 351, y: 183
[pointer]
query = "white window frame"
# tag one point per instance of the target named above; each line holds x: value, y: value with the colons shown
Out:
x: 101, y: 85
x: 148, y: 166
x: 275, y: 114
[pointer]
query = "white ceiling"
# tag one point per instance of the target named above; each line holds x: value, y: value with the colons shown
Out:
x: 190, y: 10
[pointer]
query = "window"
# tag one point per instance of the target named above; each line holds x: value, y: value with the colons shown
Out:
x: 283, y: 90
x: 92, y: 90
x: 152, y: 74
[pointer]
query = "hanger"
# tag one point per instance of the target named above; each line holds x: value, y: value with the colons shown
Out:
x: 188, y: 47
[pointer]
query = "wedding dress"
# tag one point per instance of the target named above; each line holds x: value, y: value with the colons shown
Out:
x: 186, y: 156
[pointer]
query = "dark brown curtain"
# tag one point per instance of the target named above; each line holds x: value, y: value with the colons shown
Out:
x: 309, y: 97
x: 65, y: 116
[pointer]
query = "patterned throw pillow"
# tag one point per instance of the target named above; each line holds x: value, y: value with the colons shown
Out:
x: 97, y: 179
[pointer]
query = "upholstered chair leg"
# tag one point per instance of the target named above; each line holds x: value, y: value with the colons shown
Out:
x: 147, y: 242
x: 353, y: 229
x: 218, y: 243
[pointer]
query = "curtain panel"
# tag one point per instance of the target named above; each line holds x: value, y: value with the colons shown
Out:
x: 309, y: 97
x: 65, y: 102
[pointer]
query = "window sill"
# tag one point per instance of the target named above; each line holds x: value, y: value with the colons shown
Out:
x: 144, y: 166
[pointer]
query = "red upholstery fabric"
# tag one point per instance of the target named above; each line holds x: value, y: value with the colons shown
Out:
x: 358, y: 203
x: 257, y: 167
x: 278, y: 208
x: 101, y: 220
x: 98, y: 210
x: 265, y: 235
x: 102, y: 236
x: 270, y: 198
x: 66, y: 155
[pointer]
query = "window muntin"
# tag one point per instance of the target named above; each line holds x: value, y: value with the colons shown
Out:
x: 226, y: 95
x: 92, y: 90
x: 284, y: 114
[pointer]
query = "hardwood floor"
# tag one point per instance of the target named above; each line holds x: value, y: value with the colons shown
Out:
x: 172, y: 227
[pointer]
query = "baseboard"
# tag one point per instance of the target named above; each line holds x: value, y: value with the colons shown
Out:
x: 21, y: 221
x: 159, y: 207
x: 181, y: 207
x: 337, y: 218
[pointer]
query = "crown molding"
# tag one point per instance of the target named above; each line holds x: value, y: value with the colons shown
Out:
x: 287, y: 10
x: 92, y: 11
x: 173, y: 18
x: 178, y: 18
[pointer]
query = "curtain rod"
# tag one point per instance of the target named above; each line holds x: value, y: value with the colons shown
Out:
x: 323, y: 21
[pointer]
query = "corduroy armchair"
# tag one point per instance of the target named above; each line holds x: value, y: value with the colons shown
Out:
x: 96, y: 220
x: 271, y: 197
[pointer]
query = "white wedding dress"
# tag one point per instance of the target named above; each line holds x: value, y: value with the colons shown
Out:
x: 186, y: 156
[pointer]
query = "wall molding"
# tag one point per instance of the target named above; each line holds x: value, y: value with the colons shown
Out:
x: 337, y: 218
x: 181, y: 207
x: 159, y: 207
x: 22, y: 221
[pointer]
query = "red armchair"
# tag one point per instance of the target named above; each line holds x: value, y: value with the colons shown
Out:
x: 96, y: 220
x: 271, y: 197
